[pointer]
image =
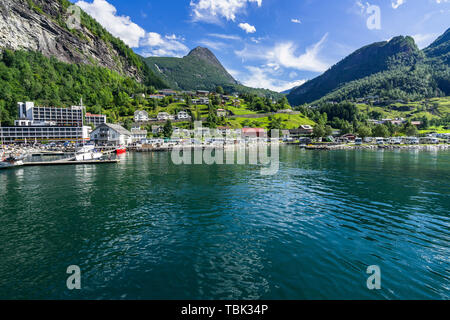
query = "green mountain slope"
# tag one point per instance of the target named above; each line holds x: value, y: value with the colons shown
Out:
x: 200, y: 70
x: 365, y: 62
x: 30, y: 76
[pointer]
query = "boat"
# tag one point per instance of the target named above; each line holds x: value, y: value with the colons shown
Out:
x: 86, y: 153
x: 121, y: 150
x: 10, y: 161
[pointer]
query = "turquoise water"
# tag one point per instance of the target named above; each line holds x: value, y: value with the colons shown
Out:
x: 148, y: 229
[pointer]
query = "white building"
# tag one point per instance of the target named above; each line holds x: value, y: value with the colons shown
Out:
x: 138, y: 134
x: 43, y: 133
x: 42, y: 123
x: 164, y: 116
x: 183, y: 115
x: 95, y: 119
x: 141, y: 116
x: 111, y: 134
x: 72, y: 116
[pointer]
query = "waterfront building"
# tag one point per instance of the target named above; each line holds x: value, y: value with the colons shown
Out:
x: 43, y: 133
x: 46, y: 124
x: 111, y: 134
x: 95, y: 119
x: 138, y: 134
x: 30, y: 115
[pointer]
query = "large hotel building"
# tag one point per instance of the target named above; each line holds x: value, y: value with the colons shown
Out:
x: 45, y: 123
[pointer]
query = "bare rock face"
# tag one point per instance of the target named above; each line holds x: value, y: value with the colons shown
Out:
x: 40, y: 25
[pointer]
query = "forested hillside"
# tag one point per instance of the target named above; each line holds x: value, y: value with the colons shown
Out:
x: 395, y: 70
x: 30, y: 76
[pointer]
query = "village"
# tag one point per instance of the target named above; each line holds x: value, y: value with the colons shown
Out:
x: 60, y: 129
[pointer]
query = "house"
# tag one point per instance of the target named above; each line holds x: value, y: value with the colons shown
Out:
x: 236, y: 103
x: 141, y: 116
x: 199, y: 101
x: 183, y: 115
x: 164, y: 116
x: 221, y: 112
x: 253, y: 133
x: 224, y: 131
x: 138, y: 134
x: 349, y: 137
x: 202, y: 93
x: 303, y: 130
x: 285, y: 135
x: 157, y: 130
x: 416, y: 123
x: 156, y: 96
x: 167, y: 92
x: 111, y: 134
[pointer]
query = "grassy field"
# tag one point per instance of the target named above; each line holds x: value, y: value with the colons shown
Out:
x: 430, y: 108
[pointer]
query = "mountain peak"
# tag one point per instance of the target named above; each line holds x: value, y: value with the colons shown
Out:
x: 206, y: 55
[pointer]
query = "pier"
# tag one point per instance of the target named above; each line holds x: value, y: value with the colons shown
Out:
x: 68, y: 162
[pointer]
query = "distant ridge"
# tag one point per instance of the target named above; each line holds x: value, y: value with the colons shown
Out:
x: 371, y: 59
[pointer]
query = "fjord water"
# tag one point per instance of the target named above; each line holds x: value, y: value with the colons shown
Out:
x: 149, y: 229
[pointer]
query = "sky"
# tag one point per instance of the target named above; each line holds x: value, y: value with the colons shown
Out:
x: 273, y: 44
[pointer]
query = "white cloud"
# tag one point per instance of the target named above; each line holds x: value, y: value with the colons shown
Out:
x: 296, y: 21
x: 263, y: 77
x: 119, y: 26
x: 155, y: 45
x: 224, y: 36
x: 283, y: 55
x: 423, y: 40
x: 398, y: 3
x: 247, y: 27
x: 149, y: 43
x: 211, y: 10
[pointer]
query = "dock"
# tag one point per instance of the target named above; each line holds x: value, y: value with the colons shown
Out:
x: 67, y: 163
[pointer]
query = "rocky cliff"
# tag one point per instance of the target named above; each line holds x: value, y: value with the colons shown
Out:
x: 40, y: 25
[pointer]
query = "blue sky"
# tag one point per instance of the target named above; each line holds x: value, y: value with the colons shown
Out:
x: 274, y: 44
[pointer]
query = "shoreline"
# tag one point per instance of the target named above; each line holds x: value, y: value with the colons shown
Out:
x: 422, y: 147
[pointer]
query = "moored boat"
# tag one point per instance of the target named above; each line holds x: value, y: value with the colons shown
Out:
x: 121, y: 150
x: 87, y: 152
x: 10, y: 161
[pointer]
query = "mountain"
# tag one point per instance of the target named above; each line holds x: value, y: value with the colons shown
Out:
x: 40, y: 25
x: 200, y: 69
x: 369, y: 60
x: 440, y: 48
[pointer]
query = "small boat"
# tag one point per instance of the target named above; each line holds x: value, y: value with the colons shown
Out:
x: 86, y: 153
x: 121, y: 150
x: 10, y: 162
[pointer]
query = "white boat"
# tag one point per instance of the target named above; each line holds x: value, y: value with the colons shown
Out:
x: 10, y: 161
x: 87, y: 153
